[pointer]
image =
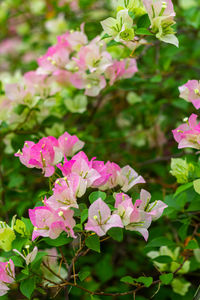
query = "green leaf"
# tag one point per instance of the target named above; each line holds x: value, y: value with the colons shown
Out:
x: 183, y: 188
x: 29, y: 225
x: 163, y: 259
x: 127, y: 279
x: 96, y: 195
x: 60, y: 241
x: 196, y: 185
x: 116, y: 233
x: 20, y: 227
x: 182, y: 232
x: 83, y: 275
x: 93, y: 242
x: 39, y: 257
x: 143, y: 31
x: 131, y: 14
x: 27, y: 287
x: 160, y: 241
x: 147, y: 281
x: 166, y: 278
x: 7, y: 237
x: 84, y: 215
x: 192, y: 245
x: 18, y: 261
x: 19, y: 243
x: 143, y: 21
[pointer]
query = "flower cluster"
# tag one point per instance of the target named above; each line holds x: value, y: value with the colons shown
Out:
x: 73, y: 61
x: 48, y: 152
x: 161, y: 14
x: 7, y: 276
x: 79, y: 174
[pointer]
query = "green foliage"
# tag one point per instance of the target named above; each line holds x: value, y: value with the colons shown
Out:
x: 93, y: 243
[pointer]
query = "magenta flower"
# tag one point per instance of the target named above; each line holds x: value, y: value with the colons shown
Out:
x: 128, y: 178
x: 45, y: 155
x: 190, y: 91
x: 102, y: 169
x: 24, y: 155
x: 100, y: 219
x: 113, y: 171
x: 188, y: 134
x: 7, y: 275
x: 50, y: 223
x: 69, y: 144
x: 81, y: 166
x: 7, y: 271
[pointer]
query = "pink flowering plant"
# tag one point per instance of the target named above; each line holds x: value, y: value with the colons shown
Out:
x: 89, y: 99
x: 86, y: 205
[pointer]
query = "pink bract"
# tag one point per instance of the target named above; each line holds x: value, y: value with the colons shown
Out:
x: 100, y: 219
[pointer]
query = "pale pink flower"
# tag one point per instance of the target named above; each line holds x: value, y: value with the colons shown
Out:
x: 121, y: 69
x: 56, y: 58
x: 124, y: 208
x: 92, y: 83
x: 154, y: 209
x: 190, y: 91
x: 18, y: 93
x: 65, y: 193
x: 155, y: 7
x: 128, y: 177
x: 100, y: 219
x: 93, y: 58
x: 50, y: 223
x: 188, y: 134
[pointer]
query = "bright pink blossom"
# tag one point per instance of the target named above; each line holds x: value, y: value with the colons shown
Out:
x: 81, y: 166
x: 102, y: 169
x: 190, y: 91
x: 7, y: 276
x: 113, y: 171
x: 69, y: 144
x: 7, y: 271
x: 188, y: 134
x: 50, y: 223
x: 25, y: 155
x: 45, y: 155
x: 100, y: 219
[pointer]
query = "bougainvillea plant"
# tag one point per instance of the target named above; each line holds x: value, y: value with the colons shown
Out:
x: 69, y: 217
